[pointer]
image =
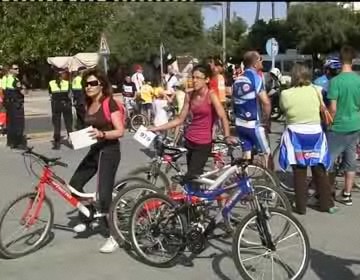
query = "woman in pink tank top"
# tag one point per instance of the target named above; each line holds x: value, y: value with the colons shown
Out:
x: 203, y: 107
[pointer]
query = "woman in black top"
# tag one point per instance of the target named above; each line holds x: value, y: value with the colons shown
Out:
x: 104, y: 156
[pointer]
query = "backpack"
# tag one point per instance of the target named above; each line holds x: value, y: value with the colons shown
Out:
x: 107, y: 113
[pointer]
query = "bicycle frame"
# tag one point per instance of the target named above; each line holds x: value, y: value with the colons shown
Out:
x: 49, y: 178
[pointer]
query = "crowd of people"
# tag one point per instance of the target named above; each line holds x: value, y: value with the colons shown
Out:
x: 308, y: 140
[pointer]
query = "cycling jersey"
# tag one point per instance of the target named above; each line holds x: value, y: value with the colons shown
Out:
x: 245, y: 91
x: 323, y: 82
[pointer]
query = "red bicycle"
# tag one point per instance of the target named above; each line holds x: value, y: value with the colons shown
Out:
x: 29, y: 210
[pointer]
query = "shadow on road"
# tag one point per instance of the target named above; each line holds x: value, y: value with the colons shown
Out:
x: 328, y: 267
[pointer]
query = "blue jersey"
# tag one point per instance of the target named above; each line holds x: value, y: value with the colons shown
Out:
x: 245, y: 91
x: 323, y: 82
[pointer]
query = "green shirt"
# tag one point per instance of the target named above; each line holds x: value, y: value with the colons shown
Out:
x: 345, y: 89
x: 301, y: 105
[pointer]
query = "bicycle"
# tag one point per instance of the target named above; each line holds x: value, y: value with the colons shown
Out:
x: 195, y: 226
x: 35, y: 202
x: 134, y: 119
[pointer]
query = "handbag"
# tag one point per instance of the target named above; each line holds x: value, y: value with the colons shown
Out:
x: 325, y: 115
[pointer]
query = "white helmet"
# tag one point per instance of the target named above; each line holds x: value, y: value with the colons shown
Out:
x: 276, y: 72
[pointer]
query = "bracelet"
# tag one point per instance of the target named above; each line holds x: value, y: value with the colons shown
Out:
x: 103, y: 135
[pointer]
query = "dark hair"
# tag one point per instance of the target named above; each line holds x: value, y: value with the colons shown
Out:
x: 300, y: 75
x: 104, y: 81
x: 347, y: 54
x: 205, y: 69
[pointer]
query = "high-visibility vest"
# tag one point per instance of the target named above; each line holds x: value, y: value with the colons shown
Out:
x: 3, y: 82
x: 76, y: 83
x: 55, y: 89
x: 13, y: 85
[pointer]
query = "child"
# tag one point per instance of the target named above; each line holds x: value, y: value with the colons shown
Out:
x: 146, y: 94
x: 159, y: 108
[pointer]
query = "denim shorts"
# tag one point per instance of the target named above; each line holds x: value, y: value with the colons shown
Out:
x: 343, y: 143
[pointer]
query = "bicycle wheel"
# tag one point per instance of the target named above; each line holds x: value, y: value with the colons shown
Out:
x: 153, y: 175
x: 138, y: 120
x: 270, y: 247
x: 285, y: 178
x: 29, y: 215
x: 157, y: 231
x: 130, y: 180
x: 121, y: 207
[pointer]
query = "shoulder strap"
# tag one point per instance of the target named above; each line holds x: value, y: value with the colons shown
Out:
x: 106, y: 108
x: 318, y: 95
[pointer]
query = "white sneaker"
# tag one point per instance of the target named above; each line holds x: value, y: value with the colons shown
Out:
x: 79, y: 228
x: 110, y: 246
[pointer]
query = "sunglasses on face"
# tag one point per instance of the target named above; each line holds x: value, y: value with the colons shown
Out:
x: 92, y: 83
x: 15, y: 68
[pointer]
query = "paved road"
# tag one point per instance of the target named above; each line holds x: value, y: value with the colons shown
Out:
x: 334, y: 239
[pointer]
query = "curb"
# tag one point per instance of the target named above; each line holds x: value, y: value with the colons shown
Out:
x: 33, y: 137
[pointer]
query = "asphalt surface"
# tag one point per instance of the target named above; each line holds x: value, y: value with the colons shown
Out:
x: 335, y: 239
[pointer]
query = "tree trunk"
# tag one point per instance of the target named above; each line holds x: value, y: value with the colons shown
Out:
x: 272, y: 10
x: 228, y: 11
x: 287, y: 8
x: 258, y: 6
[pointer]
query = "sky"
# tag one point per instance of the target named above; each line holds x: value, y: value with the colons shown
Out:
x: 246, y: 10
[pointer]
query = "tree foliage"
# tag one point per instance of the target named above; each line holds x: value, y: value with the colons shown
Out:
x: 235, y: 37
x: 35, y: 31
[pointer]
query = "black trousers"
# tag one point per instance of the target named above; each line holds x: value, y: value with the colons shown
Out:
x: 79, y: 103
x: 61, y: 107
x: 196, y: 158
x: 15, y: 121
x: 322, y: 187
x: 103, y: 160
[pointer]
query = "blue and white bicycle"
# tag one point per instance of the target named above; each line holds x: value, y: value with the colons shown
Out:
x: 268, y: 243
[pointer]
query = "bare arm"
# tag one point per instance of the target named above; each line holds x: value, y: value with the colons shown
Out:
x: 220, y: 112
x: 332, y: 108
x: 178, y: 120
x: 266, y: 105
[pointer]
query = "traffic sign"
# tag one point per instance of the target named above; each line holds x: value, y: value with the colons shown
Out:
x: 104, y: 47
x: 272, y: 47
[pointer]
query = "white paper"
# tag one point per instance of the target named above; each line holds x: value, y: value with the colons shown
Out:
x: 144, y: 136
x: 81, y: 138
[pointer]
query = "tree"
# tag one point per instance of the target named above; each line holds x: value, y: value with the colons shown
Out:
x: 261, y: 31
x: 33, y: 32
x: 235, y: 37
x: 320, y: 28
x: 141, y: 27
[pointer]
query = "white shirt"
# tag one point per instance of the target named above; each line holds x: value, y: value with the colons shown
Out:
x: 161, y: 116
x: 138, y: 79
x: 170, y: 82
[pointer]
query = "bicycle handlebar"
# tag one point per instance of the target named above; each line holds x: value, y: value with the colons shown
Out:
x: 46, y: 160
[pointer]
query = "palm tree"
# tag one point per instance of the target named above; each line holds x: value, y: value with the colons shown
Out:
x: 258, y: 6
x: 287, y: 8
x: 228, y: 11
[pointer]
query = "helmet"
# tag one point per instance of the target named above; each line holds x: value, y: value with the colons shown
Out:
x: 332, y: 63
x: 276, y: 72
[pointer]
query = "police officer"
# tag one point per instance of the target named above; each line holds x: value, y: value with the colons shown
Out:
x: 14, y: 103
x: 78, y: 98
x: 59, y: 91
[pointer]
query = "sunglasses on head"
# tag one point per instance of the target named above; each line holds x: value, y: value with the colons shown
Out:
x: 92, y: 83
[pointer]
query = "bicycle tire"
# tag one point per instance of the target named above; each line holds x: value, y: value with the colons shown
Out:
x: 238, y: 238
x: 119, y: 233
x: 145, y: 121
x: 124, y: 182
x: 282, y: 184
x: 37, y: 245
x: 164, y: 180
x: 180, y: 217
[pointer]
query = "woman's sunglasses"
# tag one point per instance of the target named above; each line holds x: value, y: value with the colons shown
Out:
x: 92, y: 83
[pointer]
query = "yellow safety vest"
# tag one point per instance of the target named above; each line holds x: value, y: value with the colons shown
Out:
x: 54, y: 88
x: 3, y: 82
x: 76, y: 83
